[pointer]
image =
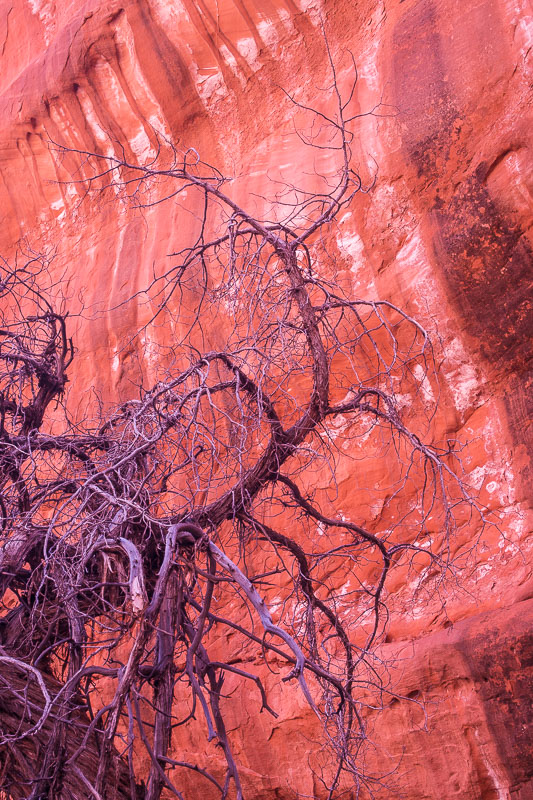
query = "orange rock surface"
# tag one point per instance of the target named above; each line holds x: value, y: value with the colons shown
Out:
x: 445, y: 231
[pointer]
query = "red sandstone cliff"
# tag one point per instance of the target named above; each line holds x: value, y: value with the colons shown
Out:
x: 446, y: 232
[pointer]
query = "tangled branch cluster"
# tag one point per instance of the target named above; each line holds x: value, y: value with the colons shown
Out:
x: 132, y: 544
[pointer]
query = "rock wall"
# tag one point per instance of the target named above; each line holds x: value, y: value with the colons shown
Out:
x: 445, y: 231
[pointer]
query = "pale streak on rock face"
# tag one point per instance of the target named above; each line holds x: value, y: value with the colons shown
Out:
x: 449, y: 214
x: 45, y: 11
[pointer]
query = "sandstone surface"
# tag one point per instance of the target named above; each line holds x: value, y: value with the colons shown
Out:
x: 445, y: 231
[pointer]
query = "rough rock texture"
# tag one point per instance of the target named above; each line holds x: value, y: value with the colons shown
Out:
x: 446, y: 232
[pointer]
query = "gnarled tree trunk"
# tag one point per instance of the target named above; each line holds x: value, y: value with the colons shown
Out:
x: 38, y: 764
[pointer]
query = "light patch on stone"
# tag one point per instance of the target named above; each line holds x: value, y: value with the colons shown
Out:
x: 137, y: 83
x: 248, y: 49
x: 231, y: 61
x: 268, y: 33
x: 58, y: 207
x: 483, y: 569
x: 110, y: 85
x: 63, y: 123
x: 170, y: 13
x: 413, y: 262
x: 524, y: 31
x: 367, y: 65
x: 275, y: 603
x: 120, y: 107
x: 421, y: 376
x: 338, y: 425
x: 461, y: 375
x: 518, y: 521
x: 498, y: 780
x: 313, y: 10
x: 402, y: 401
x: 376, y: 508
x: 351, y: 245
x: 116, y: 266
x: 70, y: 191
x: 92, y: 119
x: 140, y: 145
x: 507, y: 547
x: 150, y: 353
x: 521, y: 19
x: 414, y: 269
x: 369, y: 94
x: 211, y: 88
x: 45, y: 11
x: 115, y: 363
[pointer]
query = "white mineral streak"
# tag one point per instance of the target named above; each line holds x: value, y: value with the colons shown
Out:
x: 413, y: 266
x: 521, y: 22
x: 427, y: 391
x: 137, y: 83
x: 351, y: 245
x: 45, y: 11
x: 493, y: 768
x: 313, y: 9
x: 369, y: 96
x: 91, y: 117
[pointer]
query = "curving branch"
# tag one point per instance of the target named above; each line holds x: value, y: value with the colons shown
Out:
x: 135, y: 541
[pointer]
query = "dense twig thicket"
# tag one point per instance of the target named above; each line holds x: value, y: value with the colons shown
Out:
x: 133, y: 543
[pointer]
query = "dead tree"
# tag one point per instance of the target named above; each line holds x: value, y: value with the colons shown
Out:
x: 131, y: 542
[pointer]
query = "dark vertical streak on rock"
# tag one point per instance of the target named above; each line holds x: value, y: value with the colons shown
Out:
x: 484, y: 257
x: 501, y: 665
